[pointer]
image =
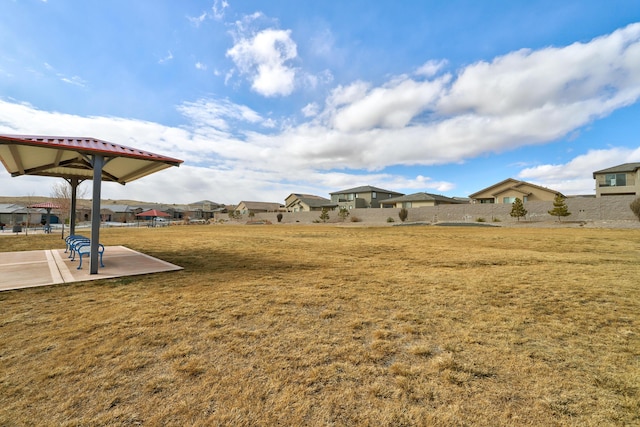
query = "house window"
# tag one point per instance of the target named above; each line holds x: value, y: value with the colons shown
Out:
x: 374, y: 195
x: 508, y: 200
x: 406, y: 204
x: 487, y: 201
x: 350, y: 196
x: 615, y: 180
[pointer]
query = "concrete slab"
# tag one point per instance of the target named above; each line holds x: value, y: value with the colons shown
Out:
x: 48, y: 267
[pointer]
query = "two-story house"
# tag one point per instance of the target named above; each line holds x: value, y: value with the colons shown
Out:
x: 618, y: 180
x: 362, y: 197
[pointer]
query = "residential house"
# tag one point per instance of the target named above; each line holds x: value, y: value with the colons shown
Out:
x: 307, y: 202
x: 112, y: 212
x: 507, y: 191
x: 204, y: 209
x: 246, y: 207
x: 417, y: 200
x: 618, y: 180
x: 362, y: 197
x: 12, y: 214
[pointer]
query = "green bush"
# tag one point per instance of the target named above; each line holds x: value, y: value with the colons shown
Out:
x: 559, y: 207
x: 324, y: 216
x: 635, y: 207
x: 343, y: 213
x: 390, y: 219
x: 517, y: 209
x: 481, y: 219
x: 403, y: 214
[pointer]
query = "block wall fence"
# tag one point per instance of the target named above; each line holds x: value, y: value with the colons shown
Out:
x: 609, y: 208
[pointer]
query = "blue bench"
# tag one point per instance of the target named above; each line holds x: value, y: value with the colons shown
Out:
x: 72, y: 240
x: 81, y: 246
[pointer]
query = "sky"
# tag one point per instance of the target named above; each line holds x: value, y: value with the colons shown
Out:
x: 264, y: 99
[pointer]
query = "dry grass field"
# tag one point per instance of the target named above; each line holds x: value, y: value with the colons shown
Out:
x: 324, y: 325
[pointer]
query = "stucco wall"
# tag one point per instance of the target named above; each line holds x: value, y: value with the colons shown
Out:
x: 581, y: 208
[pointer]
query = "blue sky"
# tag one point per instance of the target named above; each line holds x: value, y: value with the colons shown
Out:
x: 264, y: 99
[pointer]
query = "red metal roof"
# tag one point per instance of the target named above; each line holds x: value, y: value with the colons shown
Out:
x: 89, y: 145
x: 70, y: 157
x: 45, y: 205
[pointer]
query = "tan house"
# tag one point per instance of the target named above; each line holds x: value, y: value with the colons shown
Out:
x: 618, y: 180
x: 362, y: 197
x: 245, y: 207
x: 307, y: 202
x: 506, y: 192
x: 418, y: 200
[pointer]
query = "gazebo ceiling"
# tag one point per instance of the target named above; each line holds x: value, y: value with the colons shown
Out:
x: 69, y: 157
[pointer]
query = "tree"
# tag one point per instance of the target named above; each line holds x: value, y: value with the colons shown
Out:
x: 403, y: 214
x: 61, y: 195
x: 324, y: 216
x: 635, y: 207
x: 517, y: 209
x: 560, y: 208
x: 343, y: 213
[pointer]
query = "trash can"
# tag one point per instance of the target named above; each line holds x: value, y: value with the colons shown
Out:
x: 17, y: 229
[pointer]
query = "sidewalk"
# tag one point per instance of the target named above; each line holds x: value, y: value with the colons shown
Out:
x: 49, y: 267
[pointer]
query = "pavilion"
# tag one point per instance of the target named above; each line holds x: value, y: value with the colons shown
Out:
x: 77, y: 159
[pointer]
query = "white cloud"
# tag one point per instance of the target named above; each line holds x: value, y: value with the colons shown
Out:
x: 430, y: 68
x: 522, y: 98
x: 167, y: 58
x: 200, y: 66
x: 75, y: 80
x: 217, y: 10
x: 264, y: 59
x: 311, y: 109
x: 197, y: 20
x: 576, y: 176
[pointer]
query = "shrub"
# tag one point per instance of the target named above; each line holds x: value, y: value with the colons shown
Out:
x: 279, y: 217
x: 355, y: 219
x: 390, y: 219
x: 480, y: 219
x: 343, y: 213
x: 517, y: 209
x: 635, y: 207
x: 559, y: 207
x: 403, y: 214
x: 324, y: 216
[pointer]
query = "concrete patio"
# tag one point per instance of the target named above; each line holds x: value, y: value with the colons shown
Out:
x: 49, y: 267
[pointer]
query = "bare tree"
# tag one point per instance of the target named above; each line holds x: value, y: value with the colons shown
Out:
x: 61, y: 193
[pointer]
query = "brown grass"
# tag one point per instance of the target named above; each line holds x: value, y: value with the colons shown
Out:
x: 322, y: 325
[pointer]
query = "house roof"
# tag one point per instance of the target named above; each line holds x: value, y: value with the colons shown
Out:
x: 117, y: 208
x: 18, y: 209
x: 66, y: 157
x: 516, y: 186
x: 625, y: 167
x: 312, y: 200
x: 366, y: 189
x: 261, y: 205
x: 422, y: 197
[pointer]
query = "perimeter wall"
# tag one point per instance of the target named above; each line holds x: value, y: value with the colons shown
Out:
x: 582, y: 209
